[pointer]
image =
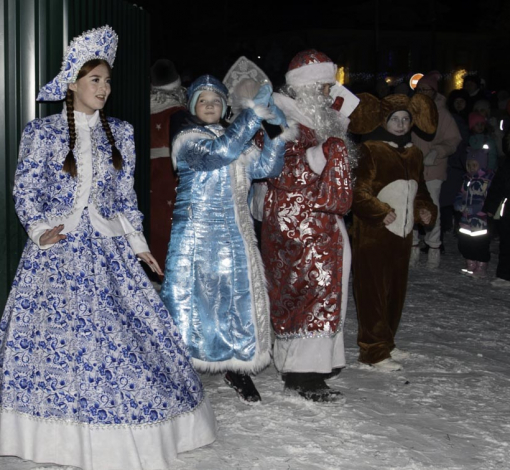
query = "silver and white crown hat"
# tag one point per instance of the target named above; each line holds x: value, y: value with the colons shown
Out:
x: 98, y: 43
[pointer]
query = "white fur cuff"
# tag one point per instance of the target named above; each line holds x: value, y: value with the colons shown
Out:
x: 260, y: 110
x: 291, y: 133
x: 316, y: 159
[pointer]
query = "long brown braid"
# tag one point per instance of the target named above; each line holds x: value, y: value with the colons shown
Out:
x: 116, y: 156
x: 70, y: 162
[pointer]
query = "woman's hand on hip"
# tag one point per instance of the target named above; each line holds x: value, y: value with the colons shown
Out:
x: 52, y: 236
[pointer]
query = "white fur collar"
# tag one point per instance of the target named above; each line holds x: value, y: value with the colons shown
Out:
x: 291, y: 110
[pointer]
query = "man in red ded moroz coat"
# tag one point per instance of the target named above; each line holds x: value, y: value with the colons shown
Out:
x: 305, y: 246
x: 167, y: 97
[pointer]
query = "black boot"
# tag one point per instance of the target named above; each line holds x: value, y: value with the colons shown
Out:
x: 311, y: 386
x: 334, y: 373
x: 243, y: 385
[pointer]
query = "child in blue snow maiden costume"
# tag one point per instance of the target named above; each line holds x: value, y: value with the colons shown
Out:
x: 93, y: 371
x: 214, y: 282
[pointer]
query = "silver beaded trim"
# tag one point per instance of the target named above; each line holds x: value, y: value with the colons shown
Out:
x: 101, y: 426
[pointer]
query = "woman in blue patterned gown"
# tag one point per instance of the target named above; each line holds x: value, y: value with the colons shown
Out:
x: 93, y: 371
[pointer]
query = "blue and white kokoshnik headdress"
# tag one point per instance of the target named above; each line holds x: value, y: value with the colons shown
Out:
x: 206, y: 83
x: 98, y: 43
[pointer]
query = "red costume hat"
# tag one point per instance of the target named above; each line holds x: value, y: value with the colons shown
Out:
x: 309, y: 67
x: 475, y: 118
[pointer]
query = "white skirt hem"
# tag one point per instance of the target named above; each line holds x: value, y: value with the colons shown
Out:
x: 144, y: 447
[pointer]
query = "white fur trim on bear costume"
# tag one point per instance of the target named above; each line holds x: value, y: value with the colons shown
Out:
x: 399, y: 195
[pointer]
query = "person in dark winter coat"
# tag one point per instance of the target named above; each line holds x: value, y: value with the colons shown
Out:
x: 456, y: 103
x: 497, y: 206
x: 472, y: 84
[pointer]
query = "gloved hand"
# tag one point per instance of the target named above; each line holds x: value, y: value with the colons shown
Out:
x: 279, y: 117
x: 263, y: 96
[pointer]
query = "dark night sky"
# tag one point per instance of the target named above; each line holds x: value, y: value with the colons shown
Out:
x: 207, y: 37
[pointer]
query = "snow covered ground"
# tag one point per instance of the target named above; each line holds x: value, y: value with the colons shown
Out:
x: 449, y: 409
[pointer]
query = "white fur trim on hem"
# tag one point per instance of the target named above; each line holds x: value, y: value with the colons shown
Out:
x: 324, y: 72
x: 160, y: 152
x: 316, y: 159
x: 109, y: 447
x: 260, y: 362
x: 320, y: 355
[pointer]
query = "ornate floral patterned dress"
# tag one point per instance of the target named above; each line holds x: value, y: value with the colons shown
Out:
x: 94, y: 373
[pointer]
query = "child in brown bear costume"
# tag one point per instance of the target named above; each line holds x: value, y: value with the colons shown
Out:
x: 390, y: 195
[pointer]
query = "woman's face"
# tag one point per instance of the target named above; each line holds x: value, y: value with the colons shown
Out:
x: 92, y: 90
x: 209, y: 107
x: 399, y: 123
x: 459, y: 104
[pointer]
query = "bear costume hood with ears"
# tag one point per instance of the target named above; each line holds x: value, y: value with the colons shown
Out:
x: 373, y: 112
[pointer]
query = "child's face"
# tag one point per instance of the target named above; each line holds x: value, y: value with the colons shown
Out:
x: 399, y: 123
x: 472, y: 166
x: 479, y: 128
x: 209, y: 107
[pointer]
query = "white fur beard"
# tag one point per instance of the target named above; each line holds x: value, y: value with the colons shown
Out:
x: 317, y: 107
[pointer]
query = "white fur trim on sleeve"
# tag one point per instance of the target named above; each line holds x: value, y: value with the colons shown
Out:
x: 316, y: 159
x: 291, y: 133
x: 324, y: 72
x: 260, y: 110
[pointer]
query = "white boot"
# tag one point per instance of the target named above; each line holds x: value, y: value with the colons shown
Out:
x: 399, y: 354
x: 387, y: 365
x: 434, y: 258
x: 415, y: 256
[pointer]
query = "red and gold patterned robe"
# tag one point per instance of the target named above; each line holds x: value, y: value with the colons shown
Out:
x: 303, y: 237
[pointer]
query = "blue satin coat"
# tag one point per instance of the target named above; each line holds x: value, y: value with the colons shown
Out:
x: 214, y: 284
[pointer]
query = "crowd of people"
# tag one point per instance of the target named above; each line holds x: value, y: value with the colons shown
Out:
x: 100, y: 366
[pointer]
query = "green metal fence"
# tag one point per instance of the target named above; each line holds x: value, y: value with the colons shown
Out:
x: 33, y: 36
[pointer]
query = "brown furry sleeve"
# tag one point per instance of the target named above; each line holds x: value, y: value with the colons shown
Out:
x: 365, y: 204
